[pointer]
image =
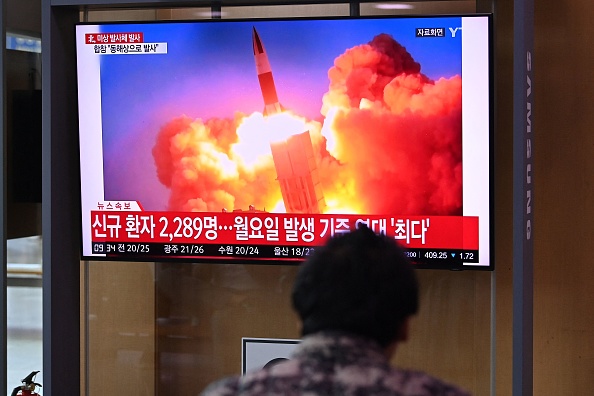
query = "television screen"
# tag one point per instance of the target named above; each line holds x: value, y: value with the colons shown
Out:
x: 255, y: 140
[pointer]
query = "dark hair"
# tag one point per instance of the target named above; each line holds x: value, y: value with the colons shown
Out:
x: 358, y: 282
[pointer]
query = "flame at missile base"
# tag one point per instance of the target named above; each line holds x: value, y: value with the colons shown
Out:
x: 256, y: 132
x: 390, y: 143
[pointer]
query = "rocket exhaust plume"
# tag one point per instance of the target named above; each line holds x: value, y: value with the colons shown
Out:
x: 271, y: 103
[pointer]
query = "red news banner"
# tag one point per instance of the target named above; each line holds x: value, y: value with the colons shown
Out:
x: 247, y: 228
x: 114, y: 38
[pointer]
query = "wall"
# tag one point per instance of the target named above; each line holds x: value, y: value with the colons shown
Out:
x: 120, y: 328
x: 564, y: 165
x: 563, y: 270
x: 24, y: 16
x: 203, y: 311
x: 451, y: 337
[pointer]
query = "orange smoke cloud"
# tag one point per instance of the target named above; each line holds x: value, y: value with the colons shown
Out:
x: 195, y: 159
x: 364, y: 71
x: 396, y: 133
x: 391, y: 143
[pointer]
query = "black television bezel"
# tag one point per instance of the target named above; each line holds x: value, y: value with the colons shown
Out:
x: 292, y: 262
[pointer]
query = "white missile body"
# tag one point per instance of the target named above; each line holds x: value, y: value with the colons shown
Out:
x: 267, y: 86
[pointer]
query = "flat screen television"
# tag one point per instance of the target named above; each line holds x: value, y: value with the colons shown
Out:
x: 253, y: 141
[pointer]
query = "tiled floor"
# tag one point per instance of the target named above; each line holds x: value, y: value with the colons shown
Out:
x: 24, y: 314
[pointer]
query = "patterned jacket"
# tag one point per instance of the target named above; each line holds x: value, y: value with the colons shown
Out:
x: 334, y: 364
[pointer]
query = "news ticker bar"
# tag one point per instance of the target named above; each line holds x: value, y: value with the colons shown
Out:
x: 415, y: 232
x: 160, y: 251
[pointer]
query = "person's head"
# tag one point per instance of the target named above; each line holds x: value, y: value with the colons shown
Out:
x: 358, y: 282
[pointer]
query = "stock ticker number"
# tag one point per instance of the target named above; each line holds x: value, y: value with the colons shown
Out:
x: 137, y: 248
x: 246, y: 250
x: 191, y: 249
x: 301, y: 251
x: 436, y: 255
x: 410, y: 254
x: 467, y: 256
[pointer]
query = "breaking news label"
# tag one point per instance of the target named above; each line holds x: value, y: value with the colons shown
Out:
x: 114, y: 38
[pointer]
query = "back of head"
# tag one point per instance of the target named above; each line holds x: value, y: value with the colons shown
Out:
x: 358, y: 282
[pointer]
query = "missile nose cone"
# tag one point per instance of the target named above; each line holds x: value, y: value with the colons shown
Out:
x: 258, y: 48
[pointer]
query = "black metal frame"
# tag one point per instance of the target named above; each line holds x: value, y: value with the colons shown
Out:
x: 60, y: 203
x: 3, y: 151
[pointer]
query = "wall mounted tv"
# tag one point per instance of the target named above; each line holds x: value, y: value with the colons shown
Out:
x: 252, y: 141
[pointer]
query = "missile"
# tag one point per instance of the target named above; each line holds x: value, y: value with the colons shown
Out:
x: 271, y: 103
